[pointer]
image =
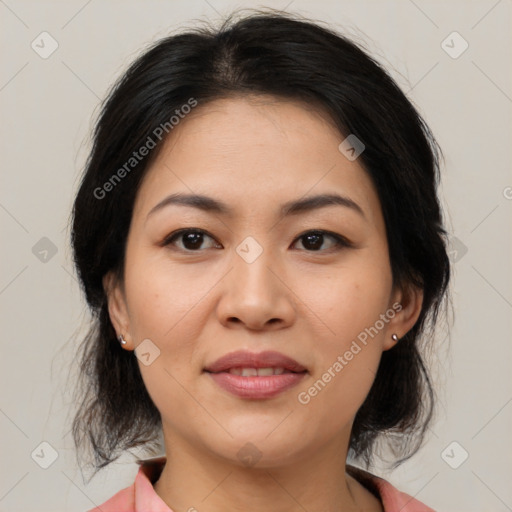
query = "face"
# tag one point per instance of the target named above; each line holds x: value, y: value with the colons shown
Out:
x: 312, y: 283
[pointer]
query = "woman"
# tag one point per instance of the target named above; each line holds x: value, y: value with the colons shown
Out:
x: 258, y: 234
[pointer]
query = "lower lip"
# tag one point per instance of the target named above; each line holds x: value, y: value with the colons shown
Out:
x: 256, y: 387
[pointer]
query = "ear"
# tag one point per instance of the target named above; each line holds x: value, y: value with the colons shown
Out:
x: 406, y: 303
x: 117, y: 307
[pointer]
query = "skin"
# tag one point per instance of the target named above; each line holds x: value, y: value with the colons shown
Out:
x: 254, y: 154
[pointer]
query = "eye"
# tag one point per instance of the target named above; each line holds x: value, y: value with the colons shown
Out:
x: 192, y: 239
x: 313, y: 240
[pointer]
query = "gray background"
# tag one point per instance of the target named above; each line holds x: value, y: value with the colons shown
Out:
x: 48, y: 106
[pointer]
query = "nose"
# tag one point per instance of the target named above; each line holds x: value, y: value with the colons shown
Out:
x: 256, y: 295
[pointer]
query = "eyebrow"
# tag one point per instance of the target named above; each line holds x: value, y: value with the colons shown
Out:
x: 296, y: 207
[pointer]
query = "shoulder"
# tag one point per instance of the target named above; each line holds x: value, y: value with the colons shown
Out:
x: 141, y: 492
x: 123, y: 501
x: 392, y: 499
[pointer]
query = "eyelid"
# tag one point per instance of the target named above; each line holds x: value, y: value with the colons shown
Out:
x: 340, y: 240
x: 175, y: 234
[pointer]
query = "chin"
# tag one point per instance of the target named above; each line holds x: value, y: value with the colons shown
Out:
x: 260, y: 450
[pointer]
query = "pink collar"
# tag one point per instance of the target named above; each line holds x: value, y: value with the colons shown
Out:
x: 141, y: 496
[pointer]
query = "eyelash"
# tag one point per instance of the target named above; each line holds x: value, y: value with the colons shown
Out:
x: 340, y: 241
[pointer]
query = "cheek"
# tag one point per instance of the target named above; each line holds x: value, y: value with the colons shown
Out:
x: 165, y: 304
x: 350, y: 346
x: 347, y: 300
x: 334, y: 398
x: 163, y: 297
x: 347, y: 361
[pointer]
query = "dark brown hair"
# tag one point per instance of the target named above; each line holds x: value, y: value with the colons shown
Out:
x: 291, y: 58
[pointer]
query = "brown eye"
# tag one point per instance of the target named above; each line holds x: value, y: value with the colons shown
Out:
x: 191, y: 239
x: 313, y: 241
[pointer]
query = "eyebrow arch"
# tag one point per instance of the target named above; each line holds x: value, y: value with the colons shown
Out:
x: 296, y: 207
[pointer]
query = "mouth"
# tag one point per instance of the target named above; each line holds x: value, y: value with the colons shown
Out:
x: 246, y: 363
x: 256, y: 375
x: 256, y: 387
x: 257, y: 372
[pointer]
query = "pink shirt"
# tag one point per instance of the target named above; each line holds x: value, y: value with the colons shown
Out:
x: 141, y: 497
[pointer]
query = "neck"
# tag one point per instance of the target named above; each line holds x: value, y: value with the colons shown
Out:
x: 193, y: 480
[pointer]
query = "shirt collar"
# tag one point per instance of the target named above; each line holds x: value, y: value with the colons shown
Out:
x: 147, y: 500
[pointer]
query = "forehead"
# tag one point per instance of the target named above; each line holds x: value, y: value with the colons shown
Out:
x: 254, y: 152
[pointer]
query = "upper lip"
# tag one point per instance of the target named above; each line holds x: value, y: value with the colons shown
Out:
x: 246, y: 359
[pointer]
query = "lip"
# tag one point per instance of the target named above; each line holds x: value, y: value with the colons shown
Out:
x: 246, y: 359
x: 256, y: 387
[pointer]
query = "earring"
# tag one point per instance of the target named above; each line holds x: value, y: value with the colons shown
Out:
x: 121, y: 340
x: 394, y: 337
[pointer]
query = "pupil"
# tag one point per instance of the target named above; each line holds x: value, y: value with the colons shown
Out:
x: 317, y: 241
x: 193, y: 239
